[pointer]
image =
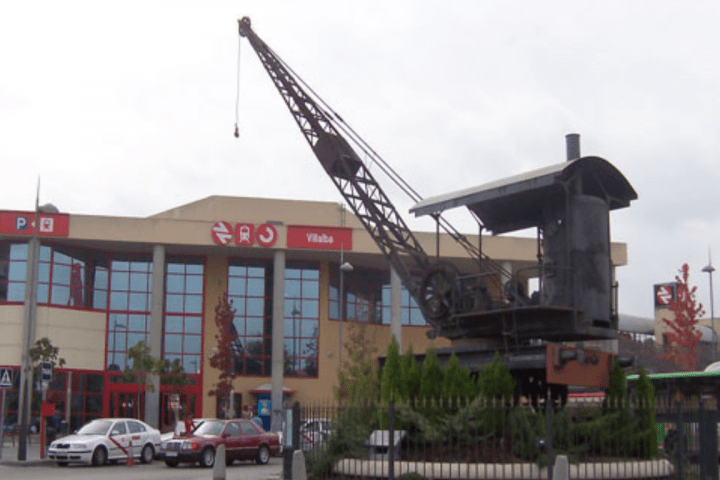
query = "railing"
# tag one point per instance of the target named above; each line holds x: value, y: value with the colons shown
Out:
x: 496, y: 439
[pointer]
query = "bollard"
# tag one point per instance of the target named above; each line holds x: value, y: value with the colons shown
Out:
x: 219, y: 466
x: 299, y: 471
x: 130, y: 460
x: 561, y: 470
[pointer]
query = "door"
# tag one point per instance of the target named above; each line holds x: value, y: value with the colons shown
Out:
x: 232, y: 439
x: 127, y: 405
x: 119, y: 441
x: 138, y: 436
x: 172, y: 412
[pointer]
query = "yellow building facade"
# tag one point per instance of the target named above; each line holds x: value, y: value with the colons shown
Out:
x: 106, y: 283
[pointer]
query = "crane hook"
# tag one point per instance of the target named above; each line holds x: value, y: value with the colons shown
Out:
x: 237, y: 132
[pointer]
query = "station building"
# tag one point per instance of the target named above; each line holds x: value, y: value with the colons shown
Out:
x: 106, y: 283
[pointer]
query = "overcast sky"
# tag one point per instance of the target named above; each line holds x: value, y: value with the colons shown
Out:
x: 128, y: 108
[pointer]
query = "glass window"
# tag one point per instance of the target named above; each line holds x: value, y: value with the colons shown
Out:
x: 301, y: 312
x: 250, y: 293
x: 184, y: 285
x: 129, y: 310
x: 367, y: 298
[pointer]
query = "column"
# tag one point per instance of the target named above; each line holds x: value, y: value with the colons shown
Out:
x: 152, y: 394
x: 278, y: 336
x: 395, y: 308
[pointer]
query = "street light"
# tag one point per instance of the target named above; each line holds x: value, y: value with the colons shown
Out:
x: 29, y: 322
x: 709, y: 269
x: 344, y: 267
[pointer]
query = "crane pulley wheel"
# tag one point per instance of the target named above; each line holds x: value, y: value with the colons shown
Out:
x: 437, y: 291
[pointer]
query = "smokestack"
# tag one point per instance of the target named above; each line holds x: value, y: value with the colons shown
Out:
x: 572, y: 143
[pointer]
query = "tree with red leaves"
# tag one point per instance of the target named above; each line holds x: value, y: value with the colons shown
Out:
x: 683, y: 336
x: 223, y: 358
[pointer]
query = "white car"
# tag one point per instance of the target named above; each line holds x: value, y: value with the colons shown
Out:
x: 313, y: 433
x: 107, y: 439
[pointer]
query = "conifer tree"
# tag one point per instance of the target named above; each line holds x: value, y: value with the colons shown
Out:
x: 411, y: 376
x: 431, y: 378
x: 456, y: 380
x: 392, y: 380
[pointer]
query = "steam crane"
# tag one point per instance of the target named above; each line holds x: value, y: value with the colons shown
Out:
x: 568, y: 203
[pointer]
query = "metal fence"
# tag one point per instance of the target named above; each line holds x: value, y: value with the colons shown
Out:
x: 501, y: 440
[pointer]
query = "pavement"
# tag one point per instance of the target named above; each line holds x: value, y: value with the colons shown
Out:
x: 9, y: 453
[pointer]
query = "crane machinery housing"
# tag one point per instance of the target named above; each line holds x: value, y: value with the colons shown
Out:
x: 568, y: 204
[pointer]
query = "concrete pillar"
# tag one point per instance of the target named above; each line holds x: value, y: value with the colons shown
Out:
x: 152, y: 394
x: 278, y: 334
x: 395, y: 308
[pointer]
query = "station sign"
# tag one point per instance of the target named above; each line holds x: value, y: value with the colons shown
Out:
x: 319, y: 238
x: 665, y: 294
x: 244, y: 234
x: 23, y: 223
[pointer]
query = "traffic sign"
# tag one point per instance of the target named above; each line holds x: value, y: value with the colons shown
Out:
x: 5, y: 378
x: 46, y: 370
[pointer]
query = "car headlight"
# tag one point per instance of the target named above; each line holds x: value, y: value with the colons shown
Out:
x: 190, y: 446
x: 79, y: 446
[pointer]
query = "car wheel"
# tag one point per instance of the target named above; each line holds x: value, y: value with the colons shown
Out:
x: 171, y: 463
x: 148, y: 454
x: 207, y: 458
x: 263, y: 455
x: 228, y: 461
x: 99, y: 456
x: 62, y: 464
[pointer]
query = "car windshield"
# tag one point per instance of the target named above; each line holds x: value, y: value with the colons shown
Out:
x: 96, y: 427
x: 211, y: 427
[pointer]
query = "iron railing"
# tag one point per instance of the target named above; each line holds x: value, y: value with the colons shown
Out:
x: 455, y: 439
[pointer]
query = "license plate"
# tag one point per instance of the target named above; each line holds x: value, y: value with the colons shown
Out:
x: 171, y: 454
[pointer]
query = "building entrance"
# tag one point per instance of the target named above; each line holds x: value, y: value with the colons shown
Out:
x: 127, y: 404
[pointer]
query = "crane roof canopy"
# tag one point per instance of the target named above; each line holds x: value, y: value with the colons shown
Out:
x: 517, y: 202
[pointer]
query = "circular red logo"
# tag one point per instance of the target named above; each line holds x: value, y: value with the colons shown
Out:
x: 266, y: 235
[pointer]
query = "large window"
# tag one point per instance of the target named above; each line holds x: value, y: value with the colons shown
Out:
x: 250, y: 291
x: 13, y: 265
x: 367, y: 298
x: 129, y: 307
x: 67, y: 276
x: 301, y: 314
x: 183, y: 311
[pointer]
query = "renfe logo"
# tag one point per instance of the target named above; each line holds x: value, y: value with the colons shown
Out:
x: 319, y: 238
x: 244, y: 234
x: 665, y: 294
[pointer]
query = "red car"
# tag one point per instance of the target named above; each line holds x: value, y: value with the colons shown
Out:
x: 243, y: 440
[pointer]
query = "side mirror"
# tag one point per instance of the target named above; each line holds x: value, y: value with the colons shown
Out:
x: 114, y: 432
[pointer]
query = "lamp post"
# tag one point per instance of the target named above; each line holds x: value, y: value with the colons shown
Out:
x: 344, y: 268
x: 709, y: 269
x: 29, y: 321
